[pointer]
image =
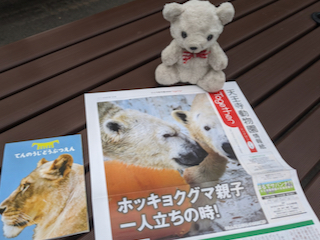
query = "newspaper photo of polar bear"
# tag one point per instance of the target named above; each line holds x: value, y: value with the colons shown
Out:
x: 183, y: 133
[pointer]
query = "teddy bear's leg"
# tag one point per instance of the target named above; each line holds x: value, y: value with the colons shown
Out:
x: 166, y: 75
x: 213, y: 81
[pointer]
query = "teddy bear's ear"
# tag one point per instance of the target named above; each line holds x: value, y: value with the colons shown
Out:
x: 171, y: 11
x: 225, y: 12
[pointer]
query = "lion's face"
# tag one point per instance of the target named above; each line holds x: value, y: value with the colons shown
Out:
x: 33, y: 198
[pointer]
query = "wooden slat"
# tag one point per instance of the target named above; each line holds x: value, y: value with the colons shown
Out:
x: 88, y: 236
x: 69, y: 117
x: 38, y: 45
x: 283, y: 108
x: 72, y: 83
x: 260, y: 20
x: 300, y: 147
x: 75, y: 55
x: 41, y: 44
x: 58, y: 89
x: 249, y: 6
x: 72, y: 107
x: 278, y: 69
x: 267, y: 43
x: 57, y: 62
x: 313, y: 195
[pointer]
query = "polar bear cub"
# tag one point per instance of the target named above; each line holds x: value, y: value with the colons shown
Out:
x: 204, y: 126
x: 144, y: 140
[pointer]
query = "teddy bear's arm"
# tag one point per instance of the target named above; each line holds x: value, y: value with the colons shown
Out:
x: 170, y: 55
x: 218, y: 59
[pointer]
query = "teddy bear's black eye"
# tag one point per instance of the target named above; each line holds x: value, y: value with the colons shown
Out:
x: 184, y: 34
x: 210, y: 37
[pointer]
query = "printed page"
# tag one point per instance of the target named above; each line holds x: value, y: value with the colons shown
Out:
x: 173, y: 163
x: 281, y: 196
x: 252, y: 145
x: 41, y: 182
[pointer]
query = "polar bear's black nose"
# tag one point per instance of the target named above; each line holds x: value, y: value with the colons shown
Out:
x: 228, y: 150
x: 195, y: 155
x: 193, y: 48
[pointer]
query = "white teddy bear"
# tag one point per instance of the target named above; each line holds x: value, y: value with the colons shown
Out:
x: 194, y: 55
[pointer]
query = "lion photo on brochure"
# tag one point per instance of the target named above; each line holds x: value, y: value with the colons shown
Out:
x: 52, y: 195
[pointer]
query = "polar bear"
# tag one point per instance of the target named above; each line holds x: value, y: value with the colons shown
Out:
x: 204, y: 126
x: 144, y: 140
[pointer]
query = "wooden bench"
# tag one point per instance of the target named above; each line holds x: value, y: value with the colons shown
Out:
x: 274, y: 55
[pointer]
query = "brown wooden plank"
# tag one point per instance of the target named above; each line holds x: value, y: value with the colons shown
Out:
x: 72, y: 83
x: 69, y: 117
x: 280, y: 68
x: 87, y: 236
x: 41, y: 44
x: 253, y: 51
x: 313, y: 195
x: 38, y: 45
x: 260, y: 20
x: 56, y: 127
x: 300, y: 147
x: 287, y: 105
x: 55, y: 63
x: 54, y: 91
x: 250, y: 6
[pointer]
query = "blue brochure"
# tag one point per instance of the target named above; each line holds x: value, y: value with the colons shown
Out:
x: 42, y: 189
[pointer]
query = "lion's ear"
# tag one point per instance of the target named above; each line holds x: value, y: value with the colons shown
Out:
x: 41, y: 162
x: 60, y: 167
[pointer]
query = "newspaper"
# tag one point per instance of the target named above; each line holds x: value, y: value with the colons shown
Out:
x: 180, y: 163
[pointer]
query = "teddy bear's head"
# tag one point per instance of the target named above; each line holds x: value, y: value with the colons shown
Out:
x: 196, y: 25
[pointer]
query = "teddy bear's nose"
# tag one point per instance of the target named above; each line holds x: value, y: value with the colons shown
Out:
x: 193, y: 48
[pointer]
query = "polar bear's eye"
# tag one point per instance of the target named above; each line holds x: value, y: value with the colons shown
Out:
x: 166, y: 135
x: 184, y: 34
x: 207, y: 128
x: 210, y: 37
